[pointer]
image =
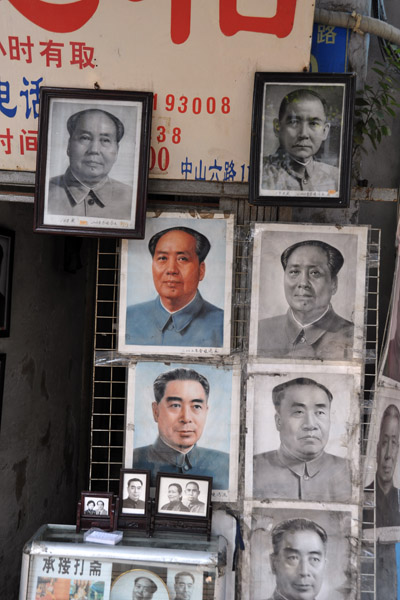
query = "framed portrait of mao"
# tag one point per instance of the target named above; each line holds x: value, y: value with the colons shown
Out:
x: 308, y: 293
x: 92, y: 162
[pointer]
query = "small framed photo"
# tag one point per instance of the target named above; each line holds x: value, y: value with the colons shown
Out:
x: 96, y: 505
x: 92, y: 162
x: 134, y: 486
x: 301, y: 139
x: 7, y: 239
x: 183, y: 496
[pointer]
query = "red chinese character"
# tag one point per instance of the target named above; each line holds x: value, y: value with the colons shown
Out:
x: 16, y: 47
x: 2, y: 50
x: 28, y: 141
x: 82, y: 55
x: 5, y: 141
x: 52, y: 51
x: 62, y: 18
x: 281, y: 24
x: 180, y: 20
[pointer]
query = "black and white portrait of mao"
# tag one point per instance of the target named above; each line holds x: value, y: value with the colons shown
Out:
x: 301, y: 128
x: 144, y: 589
x: 298, y: 560
x: 179, y: 315
x: 86, y: 189
x: 310, y: 328
x: 300, y: 469
x: 180, y: 410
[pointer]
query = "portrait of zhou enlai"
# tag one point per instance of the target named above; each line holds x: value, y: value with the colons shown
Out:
x: 180, y: 409
x: 310, y: 328
x: 178, y: 315
x: 301, y: 126
x: 132, y: 501
x: 183, y: 585
x: 86, y: 188
x: 298, y: 559
x: 301, y: 469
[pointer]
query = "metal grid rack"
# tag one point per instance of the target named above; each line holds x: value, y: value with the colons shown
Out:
x: 110, y: 368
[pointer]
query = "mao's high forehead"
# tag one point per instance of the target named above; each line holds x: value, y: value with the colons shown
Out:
x: 308, y: 256
x: 96, y: 122
x: 176, y: 241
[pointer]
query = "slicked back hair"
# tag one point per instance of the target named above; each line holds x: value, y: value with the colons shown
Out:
x: 297, y: 96
x: 202, y: 244
x: 292, y: 525
x: 278, y: 391
x: 184, y: 574
x: 134, y: 479
x: 73, y: 120
x: 333, y: 255
x: 179, y: 374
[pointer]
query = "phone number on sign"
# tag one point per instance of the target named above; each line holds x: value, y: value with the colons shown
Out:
x: 196, y: 105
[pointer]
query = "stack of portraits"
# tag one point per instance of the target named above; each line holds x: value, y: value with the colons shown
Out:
x: 302, y: 456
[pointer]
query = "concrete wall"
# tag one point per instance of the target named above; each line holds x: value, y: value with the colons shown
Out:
x: 44, y: 436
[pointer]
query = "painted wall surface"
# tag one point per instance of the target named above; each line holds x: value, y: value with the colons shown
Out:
x: 199, y: 59
x: 45, y: 425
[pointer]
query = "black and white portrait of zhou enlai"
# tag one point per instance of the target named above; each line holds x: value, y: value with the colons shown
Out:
x: 300, y: 469
x: 298, y: 559
x: 301, y: 128
x: 86, y: 189
x: 310, y: 329
x: 133, y: 497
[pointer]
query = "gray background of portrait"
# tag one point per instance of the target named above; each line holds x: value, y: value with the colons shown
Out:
x: 337, y: 525
x: 266, y: 436
x: 272, y: 296
x: 58, y: 136
x: 212, y: 287
x: 217, y: 430
x: 273, y: 96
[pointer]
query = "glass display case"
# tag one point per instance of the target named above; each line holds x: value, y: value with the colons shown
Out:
x: 58, y: 564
